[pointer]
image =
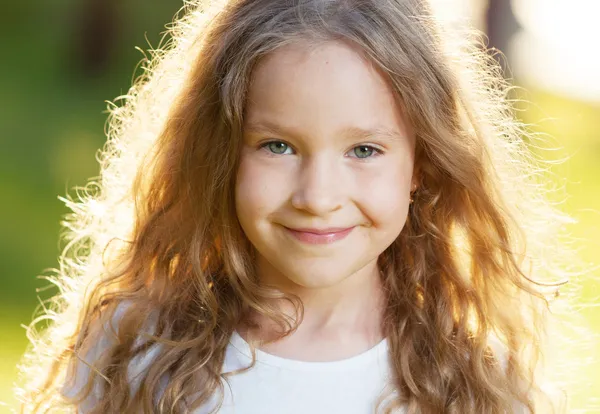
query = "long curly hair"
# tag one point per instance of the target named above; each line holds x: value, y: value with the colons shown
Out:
x: 157, y: 230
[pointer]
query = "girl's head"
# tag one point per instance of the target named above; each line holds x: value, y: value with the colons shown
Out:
x: 264, y: 117
x: 325, y: 146
x: 271, y: 73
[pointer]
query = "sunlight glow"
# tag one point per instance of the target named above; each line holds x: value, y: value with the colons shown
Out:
x: 558, y: 49
x: 471, y: 11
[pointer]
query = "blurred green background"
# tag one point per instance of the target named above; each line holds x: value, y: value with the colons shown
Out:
x: 62, y: 59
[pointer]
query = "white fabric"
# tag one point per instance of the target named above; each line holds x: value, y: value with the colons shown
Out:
x: 279, y: 385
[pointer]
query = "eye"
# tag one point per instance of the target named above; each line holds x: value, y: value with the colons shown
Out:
x: 364, y: 151
x: 277, y: 147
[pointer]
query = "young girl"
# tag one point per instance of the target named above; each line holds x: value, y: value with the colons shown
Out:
x: 310, y: 206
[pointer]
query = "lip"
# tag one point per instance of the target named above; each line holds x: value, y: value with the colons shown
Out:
x: 320, y: 236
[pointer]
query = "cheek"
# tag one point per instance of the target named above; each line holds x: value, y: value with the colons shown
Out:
x: 259, y: 191
x: 385, y: 197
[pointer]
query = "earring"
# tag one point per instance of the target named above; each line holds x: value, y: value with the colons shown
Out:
x: 413, y: 190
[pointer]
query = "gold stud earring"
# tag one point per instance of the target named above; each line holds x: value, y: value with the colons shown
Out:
x: 413, y: 190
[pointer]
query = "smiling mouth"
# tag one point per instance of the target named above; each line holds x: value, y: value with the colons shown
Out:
x: 320, y: 236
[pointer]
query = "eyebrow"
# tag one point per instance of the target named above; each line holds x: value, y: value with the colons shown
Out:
x: 353, y: 132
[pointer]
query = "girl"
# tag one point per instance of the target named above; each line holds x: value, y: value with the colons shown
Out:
x: 305, y: 206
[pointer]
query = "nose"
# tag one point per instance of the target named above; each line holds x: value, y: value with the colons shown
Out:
x: 320, y: 186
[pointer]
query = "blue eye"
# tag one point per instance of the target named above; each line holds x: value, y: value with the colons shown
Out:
x: 277, y: 147
x: 281, y: 148
x: 364, y: 151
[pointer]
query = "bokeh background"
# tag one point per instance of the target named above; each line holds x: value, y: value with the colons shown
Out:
x: 62, y: 59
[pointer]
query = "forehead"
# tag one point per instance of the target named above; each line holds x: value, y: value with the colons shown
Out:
x: 321, y: 89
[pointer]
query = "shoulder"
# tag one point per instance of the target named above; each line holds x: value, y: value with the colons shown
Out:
x: 554, y: 400
x: 102, y: 338
x: 500, y: 351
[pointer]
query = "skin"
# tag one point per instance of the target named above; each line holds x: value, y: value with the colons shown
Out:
x: 309, y: 161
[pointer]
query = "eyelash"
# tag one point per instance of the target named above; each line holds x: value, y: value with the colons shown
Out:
x: 376, y: 151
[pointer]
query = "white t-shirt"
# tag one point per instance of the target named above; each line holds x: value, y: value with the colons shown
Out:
x: 279, y: 385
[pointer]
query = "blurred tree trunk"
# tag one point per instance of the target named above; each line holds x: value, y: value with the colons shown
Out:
x: 501, y: 25
x: 96, y: 28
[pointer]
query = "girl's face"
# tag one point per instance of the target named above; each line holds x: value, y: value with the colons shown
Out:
x: 326, y: 168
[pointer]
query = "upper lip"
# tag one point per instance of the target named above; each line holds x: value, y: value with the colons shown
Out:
x: 327, y: 230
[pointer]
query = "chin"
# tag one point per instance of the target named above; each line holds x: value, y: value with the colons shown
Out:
x: 317, y: 278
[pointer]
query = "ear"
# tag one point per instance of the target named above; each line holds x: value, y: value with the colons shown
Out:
x: 416, y: 180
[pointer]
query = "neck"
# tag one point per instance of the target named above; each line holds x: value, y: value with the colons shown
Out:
x: 345, y: 318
